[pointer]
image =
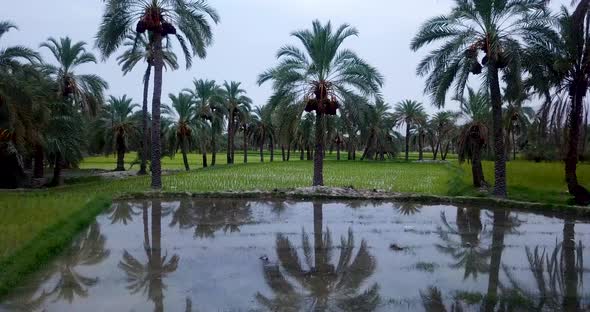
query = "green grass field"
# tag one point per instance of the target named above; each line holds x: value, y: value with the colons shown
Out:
x: 25, y: 215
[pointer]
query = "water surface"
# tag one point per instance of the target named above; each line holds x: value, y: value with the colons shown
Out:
x: 240, y: 255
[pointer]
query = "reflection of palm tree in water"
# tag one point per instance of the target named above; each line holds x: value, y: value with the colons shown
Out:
x: 468, y: 252
x: 122, y: 212
x: 503, y: 223
x: 149, y: 277
x: 87, y: 250
x: 209, y: 217
x: 558, y: 275
x: 325, y: 287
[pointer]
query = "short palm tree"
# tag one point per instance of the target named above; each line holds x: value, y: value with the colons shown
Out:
x: 182, y: 111
x: 138, y: 50
x: 408, y: 113
x: 495, y: 28
x: 476, y: 109
x: 442, y: 125
x: 209, y: 100
x: 120, y: 125
x: 321, y: 75
x: 263, y: 128
x: 377, y: 127
x: 237, y: 104
x: 84, y: 90
x: 160, y: 18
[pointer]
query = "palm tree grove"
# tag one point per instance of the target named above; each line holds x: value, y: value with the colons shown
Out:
x: 194, y: 155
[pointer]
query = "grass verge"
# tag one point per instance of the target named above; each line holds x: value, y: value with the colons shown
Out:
x: 47, y: 244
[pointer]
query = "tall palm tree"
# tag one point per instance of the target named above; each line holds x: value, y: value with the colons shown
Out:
x: 408, y: 113
x: 321, y: 75
x: 474, y: 135
x: 119, y: 125
x: 203, y: 128
x: 208, y: 96
x: 160, y: 18
x: 236, y: 104
x: 182, y: 111
x: 139, y: 49
x: 494, y: 27
x: 569, y: 74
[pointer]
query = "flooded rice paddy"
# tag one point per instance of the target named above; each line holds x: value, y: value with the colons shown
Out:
x: 240, y: 255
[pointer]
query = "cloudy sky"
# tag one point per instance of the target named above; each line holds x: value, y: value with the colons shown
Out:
x: 247, y: 39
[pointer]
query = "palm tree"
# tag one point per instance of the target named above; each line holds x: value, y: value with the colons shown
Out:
x: 441, y: 126
x: 247, y: 127
x: 474, y: 135
x: 321, y: 75
x: 408, y: 113
x: 237, y: 104
x: 263, y: 128
x: 494, y: 27
x: 568, y: 73
x: 119, y: 125
x: 208, y: 96
x: 377, y: 123
x: 181, y: 132
x: 139, y: 49
x: 85, y: 90
x: 16, y: 105
x: 304, y: 135
x: 328, y: 287
x: 160, y: 18
x: 82, y: 90
x: 203, y: 129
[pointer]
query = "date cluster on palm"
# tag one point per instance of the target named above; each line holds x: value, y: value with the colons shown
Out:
x: 472, y: 52
x: 325, y: 106
x: 154, y: 21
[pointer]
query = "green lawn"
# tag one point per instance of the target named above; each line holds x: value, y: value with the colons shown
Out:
x: 24, y: 216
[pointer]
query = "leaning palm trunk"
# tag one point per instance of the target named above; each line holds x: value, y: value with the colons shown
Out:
x: 120, y: 153
x: 144, y: 122
x: 499, y: 151
x: 156, y: 102
x: 213, y: 149
x: 184, y: 151
x: 318, y: 159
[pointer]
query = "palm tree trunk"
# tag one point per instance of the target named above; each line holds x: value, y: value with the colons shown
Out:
x: 204, y: 153
x: 575, y: 119
x: 184, y: 151
x: 513, y: 146
x: 283, y: 152
x: 337, y: 151
x: 156, y: 103
x: 245, y: 146
x: 38, y: 162
x: 420, y: 147
x: 288, y: 152
x: 476, y: 168
x: 120, y: 153
x: 233, y: 140
x: 318, y: 160
x: 57, y: 170
x: 144, y: 122
x: 407, y: 140
x: 435, y: 151
x: 444, y: 155
x: 213, y: 148
x: 230, y: 125
x: 302, y: 156
x: 262, y: 147
x: 308, y: 152
x: 499, y: 151
x: 272, y: 150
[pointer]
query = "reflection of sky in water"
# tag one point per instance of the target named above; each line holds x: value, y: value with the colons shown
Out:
x: 220, y: 243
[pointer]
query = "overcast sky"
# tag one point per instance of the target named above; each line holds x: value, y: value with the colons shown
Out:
x: 246, y: 40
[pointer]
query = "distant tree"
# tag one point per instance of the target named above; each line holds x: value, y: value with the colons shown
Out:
x: 237, y: 104
x: 408, y: 113
x: 119, y: 124
x: 182, y: 112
